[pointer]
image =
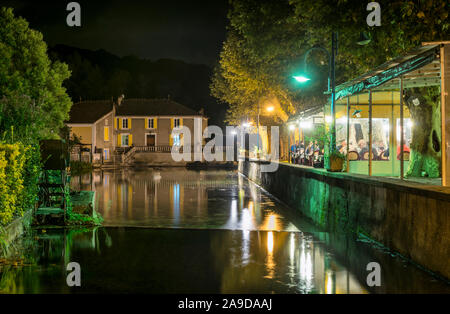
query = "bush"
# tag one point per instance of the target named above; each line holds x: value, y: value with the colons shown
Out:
x: 11, y: 181
x: 19, y: 172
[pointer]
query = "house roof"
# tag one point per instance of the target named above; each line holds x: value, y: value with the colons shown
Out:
x: 153, y: 107
x: 89, y: 111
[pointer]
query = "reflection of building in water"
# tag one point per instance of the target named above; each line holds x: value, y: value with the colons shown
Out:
x: 153, y: 195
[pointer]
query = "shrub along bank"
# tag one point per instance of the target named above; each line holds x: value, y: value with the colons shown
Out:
x: 19, y: 174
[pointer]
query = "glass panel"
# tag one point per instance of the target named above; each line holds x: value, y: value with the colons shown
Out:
x: 407, y: 126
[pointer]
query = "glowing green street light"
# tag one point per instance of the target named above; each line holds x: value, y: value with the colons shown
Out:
x: 301, y: 79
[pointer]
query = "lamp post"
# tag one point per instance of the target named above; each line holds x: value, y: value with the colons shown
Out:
x: 331, y: 83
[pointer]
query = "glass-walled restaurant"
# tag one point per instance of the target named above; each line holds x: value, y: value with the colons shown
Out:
x: 353, y: 133
x: 387, y: 124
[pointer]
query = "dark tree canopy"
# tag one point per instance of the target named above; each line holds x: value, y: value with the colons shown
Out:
x: 30, y: 84
x: 267, y: 40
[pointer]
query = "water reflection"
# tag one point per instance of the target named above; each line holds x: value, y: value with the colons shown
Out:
x: 220, y: 235
x: 124, y: 260
x: 180, y: 198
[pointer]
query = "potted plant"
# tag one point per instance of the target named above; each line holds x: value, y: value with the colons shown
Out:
x: 336, y: 161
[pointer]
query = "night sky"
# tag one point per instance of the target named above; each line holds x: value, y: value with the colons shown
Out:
x: 188, y: 30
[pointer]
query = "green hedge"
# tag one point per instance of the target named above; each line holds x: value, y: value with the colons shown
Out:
x: 19, y: 173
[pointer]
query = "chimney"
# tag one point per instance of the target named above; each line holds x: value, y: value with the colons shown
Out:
x: 119, y: 100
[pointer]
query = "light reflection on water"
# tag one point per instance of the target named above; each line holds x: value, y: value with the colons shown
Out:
x: 179, y: 261
x: 180, y: 198
x: 205, y: 232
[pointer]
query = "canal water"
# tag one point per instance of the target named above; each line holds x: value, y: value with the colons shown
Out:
x: 173, y: 230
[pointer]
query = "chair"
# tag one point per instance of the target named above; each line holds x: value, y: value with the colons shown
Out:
x: 352, y: 155
x: 366, y: 156
x: 406, y: 156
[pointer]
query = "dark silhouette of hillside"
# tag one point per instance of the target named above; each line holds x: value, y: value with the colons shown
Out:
x: 102, y: 75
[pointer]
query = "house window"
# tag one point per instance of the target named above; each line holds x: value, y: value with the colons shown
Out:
x: 106, y: 121
x: 176, y: 123
x: 106, y: 134
x: 125, y: 140
x: 124, y: 123
x: 151, y: 124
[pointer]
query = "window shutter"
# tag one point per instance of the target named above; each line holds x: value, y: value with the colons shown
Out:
x: 181, y: 122
x: 130, y: 140
x: 129, y: 123
x: 119, y: 139
x: 155, y: 123
x: 171, y: 123
x: 120, y: 123
x: 106, y: 135
x: 171, y: 140
x: 115, y: 123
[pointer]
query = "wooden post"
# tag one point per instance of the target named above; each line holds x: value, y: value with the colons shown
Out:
x: 289, y: 145
x: 370, y: 132
x: 348, y: 132
x: 402, y: 140
x: 445, y: 113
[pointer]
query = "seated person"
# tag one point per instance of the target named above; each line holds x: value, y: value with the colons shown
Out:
x: 405, y: 150
x: 364, y: 148
x: 342, y: 148
x: 309, y: 151
x: 379, y: 148
x: 293, y: 151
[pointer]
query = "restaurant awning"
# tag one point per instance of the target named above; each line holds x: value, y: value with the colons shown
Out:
x: 419, y: 67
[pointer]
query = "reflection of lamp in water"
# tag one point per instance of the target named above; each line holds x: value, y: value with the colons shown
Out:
x: 245, y: 246
x: 292, y: 249
x: 329, y: 284
x: 246, y: 222
x: 270, y: 242
x: 306, y: 267
x: 176, y: 201
x: 232, y: 222
x: 234, y: 210
x: 270, y: 263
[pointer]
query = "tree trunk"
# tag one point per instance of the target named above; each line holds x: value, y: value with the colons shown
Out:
x: 424, y: 107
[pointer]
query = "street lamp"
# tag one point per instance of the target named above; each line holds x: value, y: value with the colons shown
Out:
x: 301, y: 79
x: 331, y: 83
